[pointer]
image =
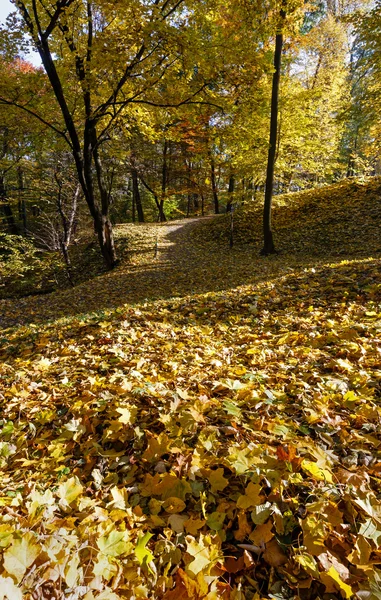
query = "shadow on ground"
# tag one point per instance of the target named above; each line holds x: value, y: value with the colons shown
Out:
x: 188, y: 262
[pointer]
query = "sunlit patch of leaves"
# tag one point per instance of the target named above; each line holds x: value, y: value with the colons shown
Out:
x: 341, y: 219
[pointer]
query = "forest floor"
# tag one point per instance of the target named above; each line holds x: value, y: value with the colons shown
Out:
x: 201, y: 422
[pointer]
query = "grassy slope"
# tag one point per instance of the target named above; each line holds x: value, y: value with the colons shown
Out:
x: 239, y: 426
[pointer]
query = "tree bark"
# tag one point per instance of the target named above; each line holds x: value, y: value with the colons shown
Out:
x: 158, y: 205
x: 136, y: 195
x: 230, y: 193
x: 22, y: 206
x: 214, y: 185
x: 6, y: 208
x: 164, y: 179
x: 268, y: 241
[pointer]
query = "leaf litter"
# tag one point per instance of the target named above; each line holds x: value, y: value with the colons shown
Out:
x: 224, y: 444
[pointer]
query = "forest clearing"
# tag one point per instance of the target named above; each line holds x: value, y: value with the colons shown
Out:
x: 190, y: 300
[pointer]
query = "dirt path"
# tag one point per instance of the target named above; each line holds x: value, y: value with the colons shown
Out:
x: 163, y: 261
x: 160, y: 261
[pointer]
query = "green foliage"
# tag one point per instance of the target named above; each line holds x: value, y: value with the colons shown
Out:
x: 19, y: 257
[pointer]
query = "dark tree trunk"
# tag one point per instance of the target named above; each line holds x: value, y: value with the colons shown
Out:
x: 133, y: 208
x: 268, y: 241
x: 352, y: 159
x: 155, y: 197
x: 6, y: 208
x: 136, y: 195
x: 214, y: 186
x: 164, y: 179
x: 22, y: 207
x: 104, y: 232
x: 230, y: 193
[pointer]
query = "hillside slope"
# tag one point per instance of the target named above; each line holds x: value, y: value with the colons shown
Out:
x: 339, y: 219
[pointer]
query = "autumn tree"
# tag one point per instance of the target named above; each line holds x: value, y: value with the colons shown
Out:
x: 268, y: 243
x: 100, y: 59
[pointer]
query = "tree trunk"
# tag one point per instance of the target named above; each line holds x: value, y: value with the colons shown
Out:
x: 104, y: 232
x: 230, y: 193
x: 22, y: 207
x: 164, y: 179
x: 6, y: 208
x: 352, y: 159
x: 136, y: 195
x: 268, y: 242
x: 214, y: 186
x: 161, y: 215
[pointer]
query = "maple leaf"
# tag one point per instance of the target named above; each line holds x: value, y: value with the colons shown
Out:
x: 115, y: 543
x: 20, y: 555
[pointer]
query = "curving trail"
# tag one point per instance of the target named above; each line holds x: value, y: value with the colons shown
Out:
x: 186, y: 261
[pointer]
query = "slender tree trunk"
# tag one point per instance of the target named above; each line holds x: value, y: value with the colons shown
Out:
x: 136, y: 194
x: 164, y: 179
x: 133, y: 208
x: 268, y: 241
x: 230, y: 193
x: 6, y: 208
x: 352, y: 159
x: 214, y: 185
x: 22, y: 207
x: 68, y: 225
x: 155, y: 197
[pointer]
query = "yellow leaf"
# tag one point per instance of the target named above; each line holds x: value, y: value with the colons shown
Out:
x: 104, y: 567
x: 21, y: 555
x: 200, y: 553
x: 115, y: 543
x: 316, y: 472
x: 262, y: 534
x: 43, y: 364
x: 217, y: 480
x: 345, y: 364
x: 72, y: 572
x: 252, y: 496
x: 127, y: 415
x: 308, y: 563
x: 362, y: 552
x: 193, y: 525
x: 157, y: 447
x: 174, y: 505
x: 343, y: 586
x: 244, y: 529
x: 70, y: 490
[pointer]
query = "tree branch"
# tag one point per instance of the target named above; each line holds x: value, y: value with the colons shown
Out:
x: 31, y: 112
x: 54, y: 18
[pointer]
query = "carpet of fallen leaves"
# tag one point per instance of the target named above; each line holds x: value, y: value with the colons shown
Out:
x: 222, y: 444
